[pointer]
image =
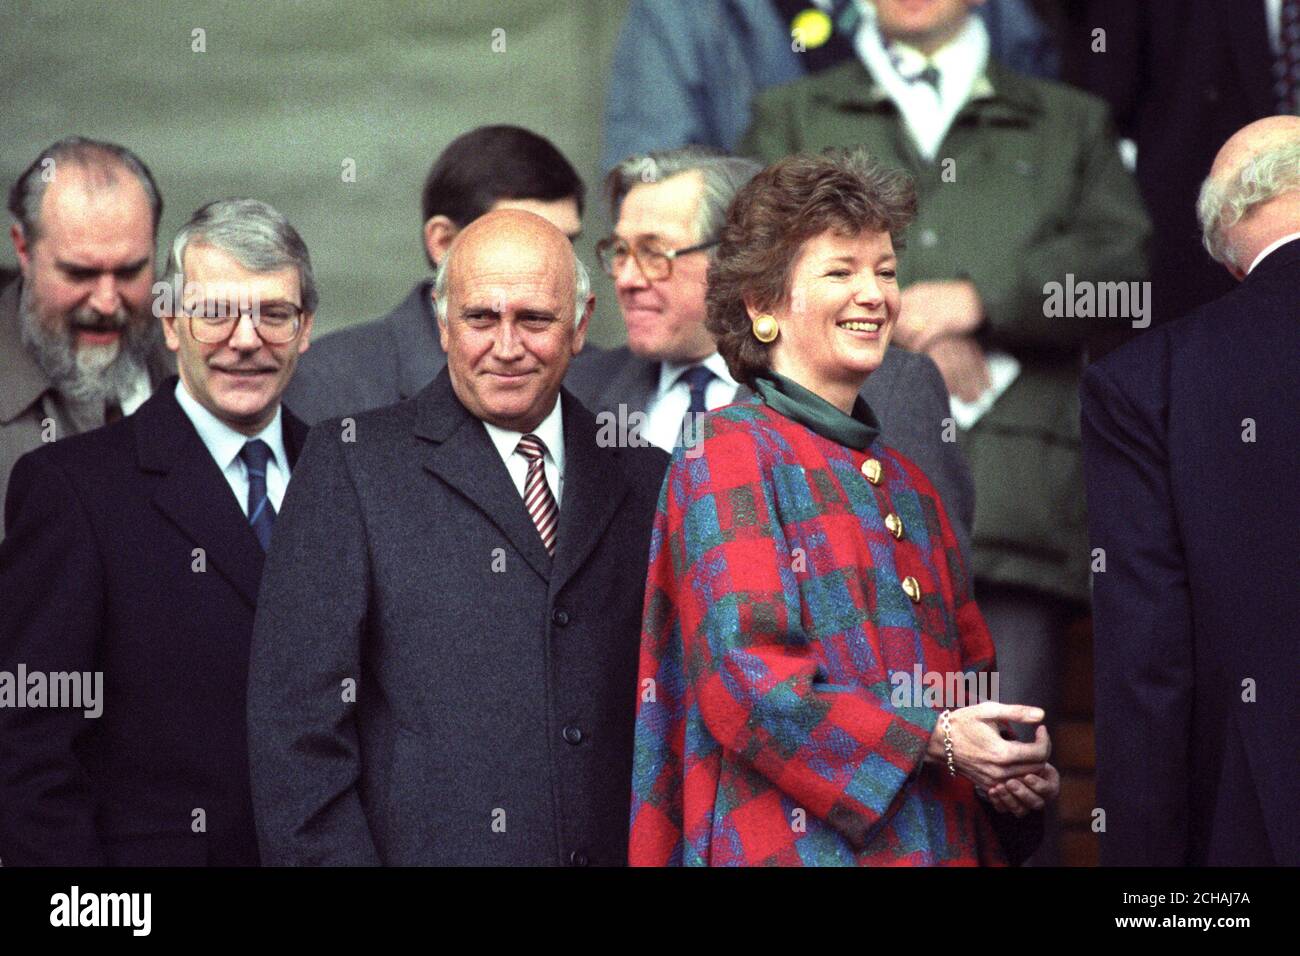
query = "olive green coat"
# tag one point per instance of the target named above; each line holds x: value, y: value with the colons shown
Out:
x: 1027, y: 188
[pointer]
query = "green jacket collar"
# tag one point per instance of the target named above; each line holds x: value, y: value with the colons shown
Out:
x: 1001, y: 94
x: 789, y: 398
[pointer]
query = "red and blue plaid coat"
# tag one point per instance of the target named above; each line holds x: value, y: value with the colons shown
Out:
x: 774, y: 617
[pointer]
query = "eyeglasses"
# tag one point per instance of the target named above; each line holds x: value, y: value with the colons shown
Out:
x: 276, y: 324
x: 655, y: 264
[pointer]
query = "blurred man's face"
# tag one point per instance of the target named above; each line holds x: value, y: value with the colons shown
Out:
x: 509, y: 331
x: 87, y: 279
x: 240, y: 379
x: 928, y: 25
x: 664, y: 317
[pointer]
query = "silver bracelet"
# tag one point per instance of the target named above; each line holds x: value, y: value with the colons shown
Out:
x: 946, y: 724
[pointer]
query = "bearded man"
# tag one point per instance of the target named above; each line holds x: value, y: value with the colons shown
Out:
x: 79, y: 345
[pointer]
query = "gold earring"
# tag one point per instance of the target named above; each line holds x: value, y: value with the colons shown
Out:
x: 765, y: 328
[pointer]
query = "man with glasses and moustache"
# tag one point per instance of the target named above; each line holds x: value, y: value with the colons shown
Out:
x: 136, y: 551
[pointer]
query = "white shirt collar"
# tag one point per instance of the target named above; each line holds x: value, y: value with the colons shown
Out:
x: 550, y: 430
x: 926, y: 114
x: 670, y: 372
x: 1272, y: 247
x: 222, y: 441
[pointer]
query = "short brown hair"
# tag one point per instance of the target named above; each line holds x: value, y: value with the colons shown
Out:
x: 785, y: 205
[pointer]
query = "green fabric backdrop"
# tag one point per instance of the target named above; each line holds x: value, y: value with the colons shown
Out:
x: 287, y: 91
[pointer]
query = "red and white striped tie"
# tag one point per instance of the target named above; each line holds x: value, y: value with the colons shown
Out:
x: 537, y: 493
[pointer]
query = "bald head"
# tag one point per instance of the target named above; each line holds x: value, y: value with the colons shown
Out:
x: 501, y: 241
x: 1252, y: 196
x: 513, y: 303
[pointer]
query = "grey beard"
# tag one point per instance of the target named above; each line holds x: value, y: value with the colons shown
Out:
x: 79, y: 376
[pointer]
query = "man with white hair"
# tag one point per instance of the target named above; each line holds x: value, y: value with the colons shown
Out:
x: 445, y: 656
x: 1193, y: 473
x: 78, y: 343
x: 132, y: 559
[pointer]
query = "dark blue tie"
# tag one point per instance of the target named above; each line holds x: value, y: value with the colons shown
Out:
x: 261, y: 513
x: 697, y: 379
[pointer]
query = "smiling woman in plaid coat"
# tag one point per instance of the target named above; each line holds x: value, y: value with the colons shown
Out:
x: 799, y: 564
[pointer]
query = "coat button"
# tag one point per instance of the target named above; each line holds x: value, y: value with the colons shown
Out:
x: 895, y: 525
x: 577, y: 858
x: 871, y: 470
x: 573, y: 735
x: 913, y: 588
x: 560, y: 618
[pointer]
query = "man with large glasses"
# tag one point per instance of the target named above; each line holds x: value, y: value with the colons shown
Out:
x: 131, y: 566
x: 668, y: 209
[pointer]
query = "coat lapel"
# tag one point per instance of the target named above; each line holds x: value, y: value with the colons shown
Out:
x: 633, y: 384
x: 295, y: 431
x: 457, y: 451
x: 193, y: 494
x: 594, y: 487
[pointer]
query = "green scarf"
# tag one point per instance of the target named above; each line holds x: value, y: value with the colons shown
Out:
x: 795, y: 402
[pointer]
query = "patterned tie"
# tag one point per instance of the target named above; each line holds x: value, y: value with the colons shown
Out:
x: 1286, y: 67
x: 907, y: 69
x: 537, y: 494
x: 261, y: 513
x: 697, y: 379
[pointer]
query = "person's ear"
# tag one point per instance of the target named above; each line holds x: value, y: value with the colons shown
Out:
x: 304, y: 334
x: 584, y: 321
x: 171, y: 334
x: 439, y: 231
x: 443, y: 338
x: 21, y: 248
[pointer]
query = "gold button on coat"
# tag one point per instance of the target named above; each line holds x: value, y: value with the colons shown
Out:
x: 912, y: 588
x: 895, y: 525
x: 871, y: 469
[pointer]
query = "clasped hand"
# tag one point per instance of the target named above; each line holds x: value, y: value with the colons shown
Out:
x: 1013, y: 775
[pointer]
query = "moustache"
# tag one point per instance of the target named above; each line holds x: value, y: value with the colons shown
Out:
x: 94, y: 322
x: 243, y: 368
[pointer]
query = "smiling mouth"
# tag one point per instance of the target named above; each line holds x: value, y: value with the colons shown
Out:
x: 245, y: 372
x: 856, y: 326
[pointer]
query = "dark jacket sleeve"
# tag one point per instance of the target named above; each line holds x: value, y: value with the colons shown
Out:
x: 1141, y: 621
x: 304, y: 748
x: 952, y: 478
x: 52, y: 594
